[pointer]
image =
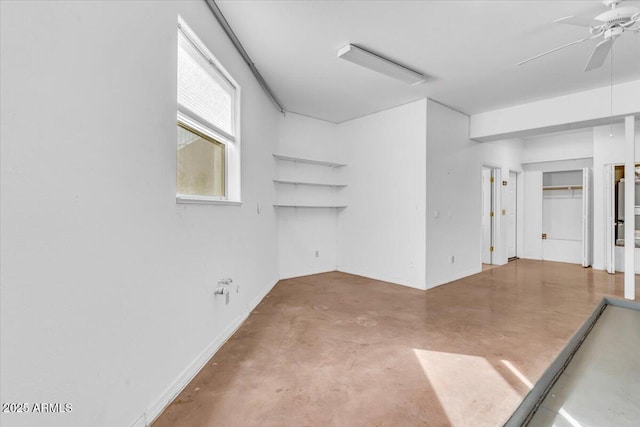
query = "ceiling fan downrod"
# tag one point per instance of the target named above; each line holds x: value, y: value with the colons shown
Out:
x: 611, y: 3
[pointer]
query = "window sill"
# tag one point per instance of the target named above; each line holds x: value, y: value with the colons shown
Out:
x: 203, y: 200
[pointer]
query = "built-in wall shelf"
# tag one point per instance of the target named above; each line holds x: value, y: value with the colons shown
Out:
x: 319, y: 184
x: 308, y: 161
x: 309, y: 183
x: 308, y: 206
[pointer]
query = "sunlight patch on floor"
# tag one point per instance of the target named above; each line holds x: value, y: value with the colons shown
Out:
x: 468, y: 387
x: 517, y: 373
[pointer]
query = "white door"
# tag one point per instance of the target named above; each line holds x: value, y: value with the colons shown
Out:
x: 586, y: 217
x: 532, y: 215
x: 509, y: 206
x: 609, y: 200
x: 486, y: 215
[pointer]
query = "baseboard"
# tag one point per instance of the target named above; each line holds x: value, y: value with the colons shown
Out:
x: 140, y: 422
x: 201, y: 360
x: 381, y: 277
x: 458, y: 276
x: 308, y: 272
x: 467, y: 273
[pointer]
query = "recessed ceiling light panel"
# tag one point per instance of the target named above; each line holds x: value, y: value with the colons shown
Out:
x: 382, y: 65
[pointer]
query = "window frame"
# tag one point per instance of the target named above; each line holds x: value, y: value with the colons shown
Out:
x: 232, y: 152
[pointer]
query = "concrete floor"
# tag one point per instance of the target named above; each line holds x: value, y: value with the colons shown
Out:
x: 487, y: 267
x: 601, y: 385
x: 335, y: 349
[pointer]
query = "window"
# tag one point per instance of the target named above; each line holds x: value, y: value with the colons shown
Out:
x: 208, y: 142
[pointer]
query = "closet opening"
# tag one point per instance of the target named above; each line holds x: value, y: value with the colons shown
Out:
x: 566, y: 217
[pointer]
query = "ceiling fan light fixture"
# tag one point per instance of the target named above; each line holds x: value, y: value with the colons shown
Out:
x: 609, y: 25
x: 380, y: 64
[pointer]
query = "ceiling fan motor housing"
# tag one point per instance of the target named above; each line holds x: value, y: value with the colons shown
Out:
x: 618, y: 15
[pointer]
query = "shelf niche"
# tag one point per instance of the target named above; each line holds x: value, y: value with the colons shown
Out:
x: 307, y: 183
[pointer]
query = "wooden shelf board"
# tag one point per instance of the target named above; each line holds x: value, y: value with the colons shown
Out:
x: 287, y: 205
x: 308, y: 161
x: 319, y: 184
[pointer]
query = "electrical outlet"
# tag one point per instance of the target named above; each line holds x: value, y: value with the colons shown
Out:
x: 237, y: 289
x: 453, y: 259
x: 317, y: 254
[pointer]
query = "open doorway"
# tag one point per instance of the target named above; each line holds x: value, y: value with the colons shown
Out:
x: 614, y: 194
x: 490, y: 177
x: 510, y: 211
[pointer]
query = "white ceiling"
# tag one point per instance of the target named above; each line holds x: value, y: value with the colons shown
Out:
x: 469, y: 48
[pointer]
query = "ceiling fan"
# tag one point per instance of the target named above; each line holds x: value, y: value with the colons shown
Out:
x: 609, y: 25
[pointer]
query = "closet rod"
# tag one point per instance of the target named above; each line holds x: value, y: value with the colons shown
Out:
x: 563, y: 187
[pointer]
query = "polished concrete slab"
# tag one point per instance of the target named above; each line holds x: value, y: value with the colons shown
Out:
x: 601, y: 384
x: 336, y: 349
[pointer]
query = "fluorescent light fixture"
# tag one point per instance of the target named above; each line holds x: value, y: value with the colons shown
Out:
x: 382, y: 65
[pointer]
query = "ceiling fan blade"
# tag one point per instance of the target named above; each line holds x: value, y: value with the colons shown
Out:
x: 554, y: 50
x: 599, y: 54
x: 580, y: 21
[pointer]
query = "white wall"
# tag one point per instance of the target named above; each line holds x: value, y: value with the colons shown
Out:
x: 453, y: 218
x: 532, y: 247
x: 391, y: 218
x: 508, y: 154
x: 578, y: 110
x: 381, y: 234
x: 559, y: 146
x: 303, y: 231
x: 107, y: 283
x: 307, y: 137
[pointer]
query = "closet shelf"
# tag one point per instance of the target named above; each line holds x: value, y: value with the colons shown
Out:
x: 308, y: 161
x: 319, y: 184
x: 562, y: 187
x: 561, y: 239
x: 287, y: 205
